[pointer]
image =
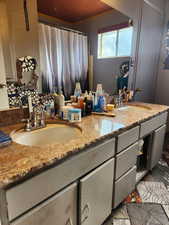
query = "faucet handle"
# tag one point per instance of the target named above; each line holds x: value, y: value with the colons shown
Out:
x: 28, y: 125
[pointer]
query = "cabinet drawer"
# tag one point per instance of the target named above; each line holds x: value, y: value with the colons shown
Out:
x: 42, y: 186
x: 124, y: 186
x: 96, y: 195
x: 127, y: 138
x: 126, y: 160
x: 59, y: 210
x: 152, y: 124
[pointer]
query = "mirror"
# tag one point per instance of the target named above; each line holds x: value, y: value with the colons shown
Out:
x: 88, y: 42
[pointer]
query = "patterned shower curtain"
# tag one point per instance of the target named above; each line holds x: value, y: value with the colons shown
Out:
x: 63, y: 59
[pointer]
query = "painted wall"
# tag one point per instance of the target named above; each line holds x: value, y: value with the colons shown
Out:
x: 148, y: 53
x: 16, y: 41
x: 160, y: 5
x: 106, y: 71
x: 134, y: 9
x: 3, y: 92
x: 162, y: 91
x: 23, y: 42
x: 4, y: 67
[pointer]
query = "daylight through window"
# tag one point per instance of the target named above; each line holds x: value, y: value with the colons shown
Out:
x: 117, y: 43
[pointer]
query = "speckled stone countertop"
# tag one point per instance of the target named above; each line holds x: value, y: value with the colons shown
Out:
x: 19, y: 161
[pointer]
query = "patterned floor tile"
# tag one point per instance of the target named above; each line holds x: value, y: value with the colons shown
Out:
x: 121, y: 222
x: 147, y: 214
x: 121, y: 213
x: 161, y: 174
x: 153, y: 192
x: 163, y: 163
x: 150, y: 178
x: 166, y: 209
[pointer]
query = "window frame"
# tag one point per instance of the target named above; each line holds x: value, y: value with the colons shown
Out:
x: 100, y: 45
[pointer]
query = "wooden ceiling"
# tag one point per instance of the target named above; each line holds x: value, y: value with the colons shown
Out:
x: 72, y: 10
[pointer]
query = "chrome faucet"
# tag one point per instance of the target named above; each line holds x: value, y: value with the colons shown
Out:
x: 36, y: 119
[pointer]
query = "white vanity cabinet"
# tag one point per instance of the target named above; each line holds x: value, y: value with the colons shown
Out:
x: 157, y: 147
x: 60, y: 209
x: 96, y: 195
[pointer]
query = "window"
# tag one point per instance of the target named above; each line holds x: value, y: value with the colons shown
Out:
x: 116, y: 43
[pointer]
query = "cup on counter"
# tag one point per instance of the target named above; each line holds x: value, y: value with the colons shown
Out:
x: 74, y: 115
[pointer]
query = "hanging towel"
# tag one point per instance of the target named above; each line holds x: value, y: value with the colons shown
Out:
x: 4, y: 139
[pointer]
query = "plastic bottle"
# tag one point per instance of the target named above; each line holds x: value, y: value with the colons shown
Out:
x: 52, y: 109
x: 99, y: 90
x: 61, y: 100
x: 78, y: 90
x: 101, y: 103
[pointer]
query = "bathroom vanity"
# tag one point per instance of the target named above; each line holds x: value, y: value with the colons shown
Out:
x: 82, y: 181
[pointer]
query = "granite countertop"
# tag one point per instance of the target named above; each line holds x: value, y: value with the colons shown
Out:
x: 19, y: 161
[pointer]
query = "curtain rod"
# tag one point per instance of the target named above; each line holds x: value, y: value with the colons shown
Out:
x: 61, y: 27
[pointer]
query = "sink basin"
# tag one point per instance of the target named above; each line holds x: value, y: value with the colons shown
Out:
x: 134, y: 106
x: 53, y: 133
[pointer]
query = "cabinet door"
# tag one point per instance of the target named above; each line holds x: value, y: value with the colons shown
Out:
x: 59, y: 210
x: 96, y: 195
x: 157, y: 146
x: 124, y: 186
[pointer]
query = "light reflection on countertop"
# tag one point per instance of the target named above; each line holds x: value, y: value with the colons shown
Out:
x: 106, y: 126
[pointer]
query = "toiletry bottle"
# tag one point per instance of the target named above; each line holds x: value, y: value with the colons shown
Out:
x: 56, y: 102
x: 52, y: 111
x: 88, y: 106
x: 78, y: 90
x: 101, y: 103
x: 61, y: 100
x: 86, y: 94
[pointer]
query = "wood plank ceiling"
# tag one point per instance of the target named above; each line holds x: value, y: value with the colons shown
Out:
x: 72, y: 10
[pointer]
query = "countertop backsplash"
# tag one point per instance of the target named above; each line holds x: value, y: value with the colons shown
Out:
x: 13, y: 116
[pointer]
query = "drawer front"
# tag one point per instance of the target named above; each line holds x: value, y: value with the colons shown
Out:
x: 126, y: 160
x: 152, y: 124
x: 59, y: 210
x: 51, y: 181
x: 127, y: 138
x: 124, y: 186
x: 96, y: 195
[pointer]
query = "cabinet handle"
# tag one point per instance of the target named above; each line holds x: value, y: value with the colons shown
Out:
x: 69, y: 222
x: 85, y: 213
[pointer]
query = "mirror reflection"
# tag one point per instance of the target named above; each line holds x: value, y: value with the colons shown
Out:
x: 78, y: 46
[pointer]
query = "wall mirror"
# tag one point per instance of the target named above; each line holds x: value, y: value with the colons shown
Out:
x: 84, y: 41
x: 93, y: 33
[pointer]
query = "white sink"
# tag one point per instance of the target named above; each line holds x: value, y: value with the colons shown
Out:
x: 53, y: 133
x: 134, y: 106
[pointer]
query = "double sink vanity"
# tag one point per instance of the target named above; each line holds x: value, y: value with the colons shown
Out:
x: 74, y: 175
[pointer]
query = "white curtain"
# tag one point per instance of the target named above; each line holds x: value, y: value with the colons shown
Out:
x: 63, y: 58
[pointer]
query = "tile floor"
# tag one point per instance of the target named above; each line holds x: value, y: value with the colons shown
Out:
x: 151, y: 203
